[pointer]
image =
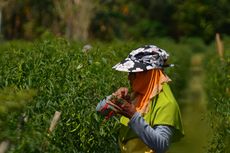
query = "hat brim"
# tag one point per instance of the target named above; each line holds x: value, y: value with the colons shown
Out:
x: 129, y: 65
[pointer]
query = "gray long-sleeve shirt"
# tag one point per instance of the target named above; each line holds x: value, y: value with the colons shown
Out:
x: 157, y: 137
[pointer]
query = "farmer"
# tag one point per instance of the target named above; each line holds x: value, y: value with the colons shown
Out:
x: 151, y: 117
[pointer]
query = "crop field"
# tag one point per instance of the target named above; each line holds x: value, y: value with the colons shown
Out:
x: 218, y: 96
x: 37, y: 79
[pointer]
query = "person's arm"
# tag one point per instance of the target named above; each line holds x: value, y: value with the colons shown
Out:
x: 157, y: 137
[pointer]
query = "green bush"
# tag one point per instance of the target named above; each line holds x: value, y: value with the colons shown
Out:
x: 72, y: 81
x: 218, y: 93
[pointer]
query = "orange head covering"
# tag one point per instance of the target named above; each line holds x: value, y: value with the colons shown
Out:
x: 146, y: 85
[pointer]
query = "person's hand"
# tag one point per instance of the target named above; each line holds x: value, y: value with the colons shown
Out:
x: 121, y: 92
x: 127, y: 109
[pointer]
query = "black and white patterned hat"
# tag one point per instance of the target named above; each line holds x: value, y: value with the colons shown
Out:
x: 144, y: 58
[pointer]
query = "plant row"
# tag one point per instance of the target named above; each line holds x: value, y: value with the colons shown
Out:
x: 62, y: 76
x: 218, y: 96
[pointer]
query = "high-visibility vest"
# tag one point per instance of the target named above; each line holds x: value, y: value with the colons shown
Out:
x: 163, y: 110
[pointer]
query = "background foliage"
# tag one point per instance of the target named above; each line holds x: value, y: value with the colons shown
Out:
x: 110, y: 19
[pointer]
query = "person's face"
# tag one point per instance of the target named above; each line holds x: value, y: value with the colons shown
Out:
x: 131, y: 78
x: 139, y: 81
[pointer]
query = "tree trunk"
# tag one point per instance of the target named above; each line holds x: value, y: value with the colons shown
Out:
x: 76, y: 15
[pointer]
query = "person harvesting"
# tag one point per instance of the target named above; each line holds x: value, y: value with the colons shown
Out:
x: 151, y: 118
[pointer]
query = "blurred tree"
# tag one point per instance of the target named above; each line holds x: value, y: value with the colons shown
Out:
x: 77, y: 16
x: 2, y: 4
x: 177, y: 18
x: 26, y: 19
x: 151, y: 18
x: 202, y: 18
x: 109, y: 19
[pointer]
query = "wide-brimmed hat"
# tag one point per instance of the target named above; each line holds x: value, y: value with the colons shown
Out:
x: 144, y: 58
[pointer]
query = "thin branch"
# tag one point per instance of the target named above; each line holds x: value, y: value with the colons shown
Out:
x: 219, y: 45
x: 4, y: 146
x: 54, y: 121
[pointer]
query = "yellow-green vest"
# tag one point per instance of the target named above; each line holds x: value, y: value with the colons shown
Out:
x: 163, y: 110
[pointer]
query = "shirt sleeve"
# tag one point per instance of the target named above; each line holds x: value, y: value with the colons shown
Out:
x: 102, y: 103
x: 157, y: 137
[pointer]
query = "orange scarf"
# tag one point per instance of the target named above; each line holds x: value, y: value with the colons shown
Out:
x: 146, y: 85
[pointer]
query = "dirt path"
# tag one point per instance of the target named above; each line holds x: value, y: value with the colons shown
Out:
x: 194, y: 113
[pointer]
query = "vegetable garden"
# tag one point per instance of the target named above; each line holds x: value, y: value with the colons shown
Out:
x: 218, y: 93
x: 54, y: 74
